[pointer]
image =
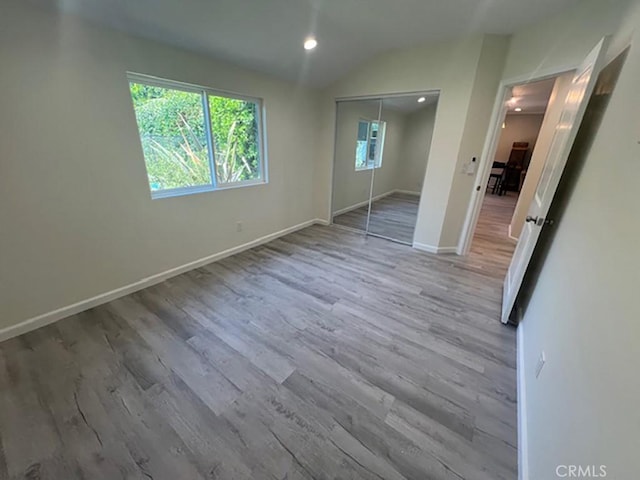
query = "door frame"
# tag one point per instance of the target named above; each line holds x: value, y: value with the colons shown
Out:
x: 490, y: 148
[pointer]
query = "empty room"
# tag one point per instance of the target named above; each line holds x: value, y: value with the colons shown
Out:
x: 291, y: 239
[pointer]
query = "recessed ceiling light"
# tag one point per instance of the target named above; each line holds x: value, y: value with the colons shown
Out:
x: 310, y: 43
x: 518, y: 109
x: 421, y: 99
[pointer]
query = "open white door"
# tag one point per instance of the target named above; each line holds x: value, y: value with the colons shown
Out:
x: 564, y: 136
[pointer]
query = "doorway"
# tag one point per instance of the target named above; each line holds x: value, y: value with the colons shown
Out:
x: 531, y: 114
x: 381, y: 153
x: 497, y: 226
x: 559, y: 128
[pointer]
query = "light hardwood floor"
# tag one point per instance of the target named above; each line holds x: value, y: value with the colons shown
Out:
x: 393, y: 216
x: 491, y: 238
x: 322, y: 355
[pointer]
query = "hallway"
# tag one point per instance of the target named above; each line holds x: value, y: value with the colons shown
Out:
x: 491, y: 243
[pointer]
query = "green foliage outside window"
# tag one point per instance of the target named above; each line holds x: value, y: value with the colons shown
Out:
x: 173, y: 133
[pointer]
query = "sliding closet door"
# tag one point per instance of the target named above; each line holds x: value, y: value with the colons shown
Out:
x: 403, y: 142
x: 356, y: 151
x: 388, y: 212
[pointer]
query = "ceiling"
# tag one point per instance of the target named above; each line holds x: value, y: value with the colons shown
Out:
x: 409, y: 103
x: 531, y: 98
x: 267, y: 35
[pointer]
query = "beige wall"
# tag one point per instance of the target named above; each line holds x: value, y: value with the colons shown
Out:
x: 416, y: 143
x: 547, y: 130
x: 584, y: 311
x: 468, y: 87
x: 485, y: 89
x: 76, y: 216
x: 518, y: 128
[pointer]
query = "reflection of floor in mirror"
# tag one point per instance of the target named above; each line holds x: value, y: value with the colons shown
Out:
x: 491, y: 238
x: 393, y: 216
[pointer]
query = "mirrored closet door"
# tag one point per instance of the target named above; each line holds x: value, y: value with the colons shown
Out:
x: 382, y: 145
x: 357, y: 151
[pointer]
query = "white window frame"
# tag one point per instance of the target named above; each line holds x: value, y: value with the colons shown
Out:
x: 382, y: 129
x: 205, y: 92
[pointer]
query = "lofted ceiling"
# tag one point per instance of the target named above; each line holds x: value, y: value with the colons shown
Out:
x: 267, y: 35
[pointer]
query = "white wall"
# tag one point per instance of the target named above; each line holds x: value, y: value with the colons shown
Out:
x: 518, y: 128
x: 76, y: 216
x: 584, y: 312
x: 351, y: 187
x: 468, y: 87
x: 416, y: 143
x: 547, y: 130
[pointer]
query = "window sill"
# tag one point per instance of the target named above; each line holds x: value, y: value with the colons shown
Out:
x: 180, y: 192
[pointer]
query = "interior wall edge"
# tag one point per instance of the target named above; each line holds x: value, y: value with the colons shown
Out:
x: 53, y: 316
x: 486, y: 85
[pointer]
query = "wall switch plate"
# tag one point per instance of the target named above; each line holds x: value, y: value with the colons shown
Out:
x: 238, y: 226
x: 470, y: 167
x: 541, y: 361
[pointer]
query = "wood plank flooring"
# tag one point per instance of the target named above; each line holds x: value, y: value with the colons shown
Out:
x: 491, y: 239
x: 322, y: 355
x: 393, y: 216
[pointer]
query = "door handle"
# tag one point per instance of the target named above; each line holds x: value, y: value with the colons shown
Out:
x: 538, y: 221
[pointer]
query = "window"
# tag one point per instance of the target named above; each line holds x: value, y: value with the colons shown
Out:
x: 369, y: 144
x: 195, y: 139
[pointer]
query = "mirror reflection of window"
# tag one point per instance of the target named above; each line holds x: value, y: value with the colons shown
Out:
x: 369, y: 144
x: 361, y: 145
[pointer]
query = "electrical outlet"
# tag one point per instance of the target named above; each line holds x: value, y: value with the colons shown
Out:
x: 238, y: 226
x: 541, y: 361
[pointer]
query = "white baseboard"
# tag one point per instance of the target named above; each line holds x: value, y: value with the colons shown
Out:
x: 523, y: 455
x: 511, y: 237
x: 433, y: 249
x: 377, y: 197
x: 362, y: 204
x: 60, y: 313
x: 407, y: 192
